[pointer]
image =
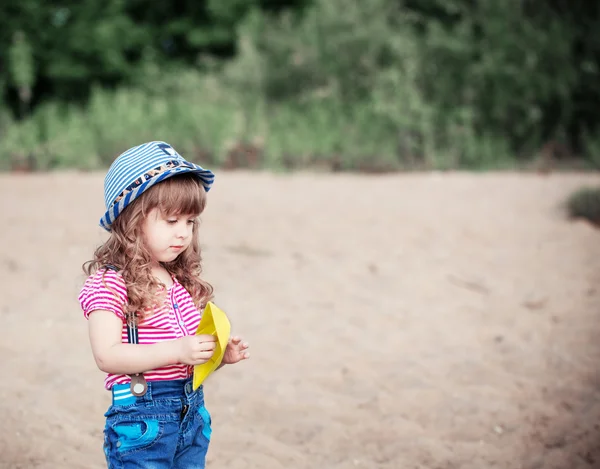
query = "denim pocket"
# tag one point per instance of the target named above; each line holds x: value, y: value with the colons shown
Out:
x: 136, y: 434
x: 207, y: 421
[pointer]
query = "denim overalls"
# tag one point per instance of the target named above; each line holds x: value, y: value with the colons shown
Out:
x: 168, y: 427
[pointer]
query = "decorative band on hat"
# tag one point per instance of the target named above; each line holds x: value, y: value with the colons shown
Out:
x: 151, y: 174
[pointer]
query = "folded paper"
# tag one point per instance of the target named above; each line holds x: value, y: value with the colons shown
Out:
x: 214, y: 322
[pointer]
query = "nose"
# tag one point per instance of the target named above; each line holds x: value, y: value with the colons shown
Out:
x: 183, y: 232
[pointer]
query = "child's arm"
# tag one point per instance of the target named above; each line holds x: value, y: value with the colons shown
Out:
x: 113, y: 356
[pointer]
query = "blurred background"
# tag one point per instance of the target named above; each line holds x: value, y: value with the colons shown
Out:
x: 393, y: 227
x: 374, y: 85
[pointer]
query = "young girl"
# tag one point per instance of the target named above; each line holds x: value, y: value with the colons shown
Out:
x: 143, y: 299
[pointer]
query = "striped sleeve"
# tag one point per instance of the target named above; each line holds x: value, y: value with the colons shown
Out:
x: 103, y: 290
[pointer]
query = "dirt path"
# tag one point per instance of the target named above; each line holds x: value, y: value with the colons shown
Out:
x: 410, y: 321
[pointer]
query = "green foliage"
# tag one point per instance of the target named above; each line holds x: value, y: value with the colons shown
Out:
x: 60, y: 136
x: 504, y: 78
x: 365, y: 61
x: 78, y: 44
x: 461, y: 83
x: 374, y: 85
x: 20, y: 61
x: 335, y: 47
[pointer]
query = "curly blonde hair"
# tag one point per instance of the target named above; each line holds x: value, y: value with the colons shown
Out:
x: 125, y: 249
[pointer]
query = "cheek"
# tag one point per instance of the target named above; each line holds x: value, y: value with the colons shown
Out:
x: 154, y: 237
x: 190, y: 236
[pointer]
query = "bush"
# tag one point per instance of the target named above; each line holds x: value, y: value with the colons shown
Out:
x: 376, y: 85
x: 585, y: 203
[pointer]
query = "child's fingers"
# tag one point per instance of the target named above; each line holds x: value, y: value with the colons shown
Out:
x: 205, y: 338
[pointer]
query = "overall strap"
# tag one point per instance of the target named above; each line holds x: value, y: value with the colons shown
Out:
x: 132, y: 334
x: 132, y: 330
x: 138, y: 384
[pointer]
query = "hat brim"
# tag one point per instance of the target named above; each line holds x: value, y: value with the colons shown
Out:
x: 205, y: 176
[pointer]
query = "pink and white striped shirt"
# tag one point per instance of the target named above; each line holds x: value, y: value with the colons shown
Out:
x: 176, y: 318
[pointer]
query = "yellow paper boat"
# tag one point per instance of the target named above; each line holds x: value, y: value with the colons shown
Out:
x: 214, y: 322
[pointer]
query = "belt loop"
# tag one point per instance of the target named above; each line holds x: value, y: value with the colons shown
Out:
x: 147, y: 397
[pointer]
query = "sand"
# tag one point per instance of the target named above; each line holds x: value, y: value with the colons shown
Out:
x: 403, y: 321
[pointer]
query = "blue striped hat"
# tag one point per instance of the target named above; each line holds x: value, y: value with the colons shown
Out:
x: 138, y: 169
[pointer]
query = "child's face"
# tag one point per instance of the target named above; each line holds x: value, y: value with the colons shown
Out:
x: 167, y: 236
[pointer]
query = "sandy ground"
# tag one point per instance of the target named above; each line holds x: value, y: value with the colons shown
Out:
x: 407, y: 321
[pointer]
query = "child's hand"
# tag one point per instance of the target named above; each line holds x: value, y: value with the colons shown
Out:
x: 195, y: 349
x: 235, y: 351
